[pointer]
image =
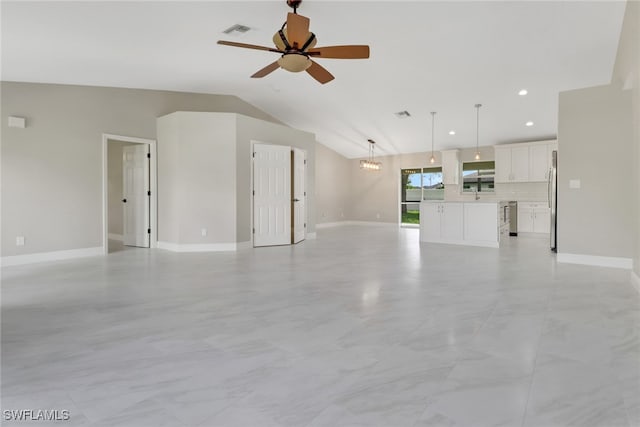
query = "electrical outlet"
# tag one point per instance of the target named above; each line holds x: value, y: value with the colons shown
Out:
x: 20, y: 241
x: 203, y: 232
x: 378, y: 215
x: 341, y: 214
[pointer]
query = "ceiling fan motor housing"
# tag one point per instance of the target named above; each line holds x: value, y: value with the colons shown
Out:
x: 294, y: 3
x: 282, y: 44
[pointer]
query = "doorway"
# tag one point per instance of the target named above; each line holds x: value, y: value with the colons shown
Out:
x: 416, y: 185
x: 279, y: 195
x: 129, y: 193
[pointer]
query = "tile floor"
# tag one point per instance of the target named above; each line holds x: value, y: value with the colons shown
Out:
x: 361, y: 327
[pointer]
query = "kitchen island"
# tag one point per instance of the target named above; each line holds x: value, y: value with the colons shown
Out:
x: 462, y: 223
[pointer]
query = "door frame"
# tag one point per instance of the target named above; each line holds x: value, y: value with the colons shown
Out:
x: 153, y: 183
x: 251, y: 188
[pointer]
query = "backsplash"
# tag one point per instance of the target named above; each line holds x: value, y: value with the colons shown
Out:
x: 523, y: 191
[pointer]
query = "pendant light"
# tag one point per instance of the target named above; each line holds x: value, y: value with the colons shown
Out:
x: 370, y: 163
x: 477, y: 130
x: 433, y: 115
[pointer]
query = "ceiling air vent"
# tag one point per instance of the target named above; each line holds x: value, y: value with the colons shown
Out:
x: 241, y: 29
x: 402, y: 114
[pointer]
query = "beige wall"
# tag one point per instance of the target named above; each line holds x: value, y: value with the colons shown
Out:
x: 196, y: 185
x: 115, y: 182
x: 333, y: 186
x: 627, y: 73
x: 595, y: 146
x: 52, y: 170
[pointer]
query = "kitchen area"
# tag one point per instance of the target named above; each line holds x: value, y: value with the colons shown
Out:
x: 509, y: 191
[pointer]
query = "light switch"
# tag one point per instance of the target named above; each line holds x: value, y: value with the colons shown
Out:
x: 203, y: 232
x: 574, y: 184
x: 17, y: 122
x: 20, y: 241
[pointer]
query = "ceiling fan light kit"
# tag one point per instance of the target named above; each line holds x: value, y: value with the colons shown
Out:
x: 296, y: 44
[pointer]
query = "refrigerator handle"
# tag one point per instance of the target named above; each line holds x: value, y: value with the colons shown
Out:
x: 549, y: 187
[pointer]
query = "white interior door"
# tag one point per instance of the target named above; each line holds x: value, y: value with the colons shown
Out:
x: 272, y: 195
x: 299, y: 195
x: 135, y: 195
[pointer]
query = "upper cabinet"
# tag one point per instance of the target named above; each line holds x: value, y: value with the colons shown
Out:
x: 524, y: 162
x: 450, y: 167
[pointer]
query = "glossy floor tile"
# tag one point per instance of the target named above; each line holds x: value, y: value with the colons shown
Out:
x: 364, y: 326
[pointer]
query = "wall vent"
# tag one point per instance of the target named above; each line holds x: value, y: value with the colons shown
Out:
x: 237, y: 28
x: 402, y: 114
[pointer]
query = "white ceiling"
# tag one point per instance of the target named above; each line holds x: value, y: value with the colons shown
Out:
x: 425, y: 56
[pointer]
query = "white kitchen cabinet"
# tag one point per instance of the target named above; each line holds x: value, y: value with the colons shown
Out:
x: 540, y: 161
x: 512, y: 164
x: 533, y: 217
x: 481, y: 222
x: 461, y: 223
x: 524, y: 162
x: 441, y: 221
x: 503, y: 164
x: 450, y: 167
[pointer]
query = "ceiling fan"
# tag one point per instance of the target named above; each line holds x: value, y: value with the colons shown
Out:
x: 296, y: 44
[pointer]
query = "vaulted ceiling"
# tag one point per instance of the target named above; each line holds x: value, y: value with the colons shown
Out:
x: 425, y: 56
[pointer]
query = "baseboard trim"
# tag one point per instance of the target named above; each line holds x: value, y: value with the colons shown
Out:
x: 369, y: 223
x: 243, y: 245
x: 204, y: 247
x: 50, y: 256
x: 635, y: 281
x: 331, y: 224
x: 600, y: 261
x: 117, y: 237
x: 374, y: 223
x: 477, y: 243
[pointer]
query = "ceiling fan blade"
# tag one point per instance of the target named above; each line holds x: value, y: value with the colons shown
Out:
x: 266, y: 70
x: 340, y: 52
x: 248, y: 46
x: 319, y: 73
x: 297, y: 29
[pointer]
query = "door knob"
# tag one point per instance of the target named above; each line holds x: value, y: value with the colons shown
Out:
x: 124, y: 200
x: 295, y: 200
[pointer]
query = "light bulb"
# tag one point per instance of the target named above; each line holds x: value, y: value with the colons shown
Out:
x: 477, y: 155
x: 432, y: 159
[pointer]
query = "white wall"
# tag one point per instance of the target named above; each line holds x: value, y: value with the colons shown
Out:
x: 333, y: 186
x: 595, y: 146
x: 196, y: 178
x: 52, y: 170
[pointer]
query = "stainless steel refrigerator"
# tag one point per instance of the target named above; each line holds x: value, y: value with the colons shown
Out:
x: 553, y: 200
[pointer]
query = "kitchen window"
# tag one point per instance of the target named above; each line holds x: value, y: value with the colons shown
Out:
x: 418, y: 184
x: 478, y: 177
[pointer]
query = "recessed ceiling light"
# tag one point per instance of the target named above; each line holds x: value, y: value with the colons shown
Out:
x: 452, y: 132
x: 529, y: 123
x: 523, y: 92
